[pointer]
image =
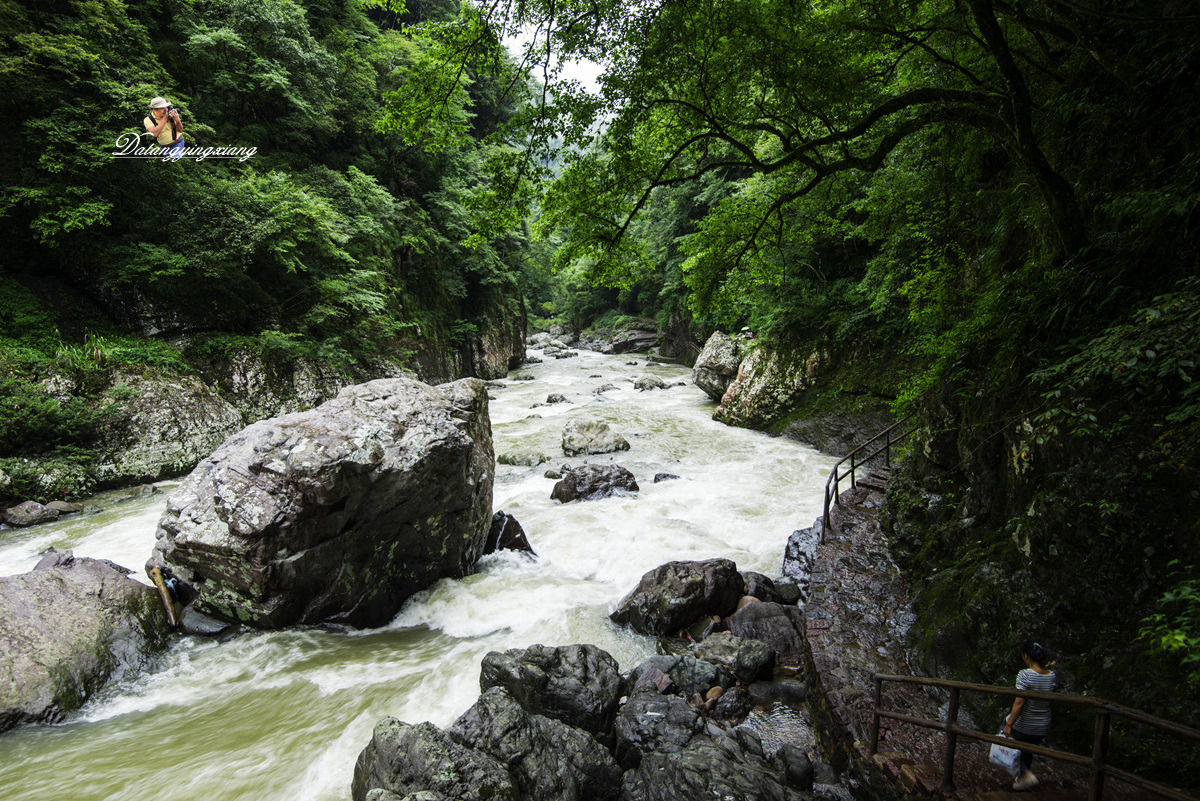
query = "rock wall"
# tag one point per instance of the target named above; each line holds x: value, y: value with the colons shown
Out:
x: 833, y: 400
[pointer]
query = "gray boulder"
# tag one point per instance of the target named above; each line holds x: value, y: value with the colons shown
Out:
x: 689, y: 675
x: 717, y: 365
x: 591, y: 481
x: 780, y: 627
x: 67, y: 628
x: 798, y: 556
x: 674, y: 595
x: 649, y: 382
x: 404, y: 759
x: 579, y: 685
x: 64, y: 507
x: 29, y: 513
x: 337, y: 514
x: 523, y: 458
x: 548, y: 760
x: 650, y: 722
x: 673, y: 755
x: 583, y: 436
x: 747, y: 660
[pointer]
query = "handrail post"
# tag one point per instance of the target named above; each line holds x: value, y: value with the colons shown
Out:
x: 951, y: 742
x: 1099, y: 754
x: 875, y: 715
x: 853, y: 470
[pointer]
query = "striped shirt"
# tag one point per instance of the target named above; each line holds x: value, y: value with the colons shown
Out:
x: 1035, y: 715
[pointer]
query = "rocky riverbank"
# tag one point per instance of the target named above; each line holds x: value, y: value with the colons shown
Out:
x: 563, y: 723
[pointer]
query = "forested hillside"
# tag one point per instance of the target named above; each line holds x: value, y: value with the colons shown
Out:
x: 1009, y: 192
x: 335, y: 241
x: 1006, y: 194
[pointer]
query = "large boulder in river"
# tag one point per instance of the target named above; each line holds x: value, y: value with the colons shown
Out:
x: 771, y: 379
x: 579, y: 685
x: 29, y: 513
x: 582, y: 436
x: 336, y: 514
x: 717, y: 365
x: 547, y: 759
x: 66, y: 629
x: 674, y: 595
x: 402, y: 759
x: 591, y: 481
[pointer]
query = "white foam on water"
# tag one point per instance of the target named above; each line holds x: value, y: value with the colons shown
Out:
x: 283, y: 715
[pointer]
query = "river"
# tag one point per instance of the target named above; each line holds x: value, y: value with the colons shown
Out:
x: 282, y: 716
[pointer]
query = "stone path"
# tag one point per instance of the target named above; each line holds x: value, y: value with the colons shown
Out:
x: 858, y: 621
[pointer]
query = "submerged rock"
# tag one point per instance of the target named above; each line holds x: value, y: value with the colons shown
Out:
x: 337, y: 514
x: 591, y: 481
x: 674, y: 595
x: 67, y: 628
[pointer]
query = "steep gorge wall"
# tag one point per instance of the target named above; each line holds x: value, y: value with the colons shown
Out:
x: 150, y: 422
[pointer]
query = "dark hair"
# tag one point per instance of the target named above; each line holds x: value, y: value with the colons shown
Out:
x: 1034, y: 651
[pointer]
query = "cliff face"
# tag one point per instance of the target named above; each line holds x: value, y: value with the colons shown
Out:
x: 830, y: 396
x: 150, y: 421
x: 1005, y: 538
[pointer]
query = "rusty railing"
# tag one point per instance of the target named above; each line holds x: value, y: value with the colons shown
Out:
x: 1105, y: 710
x: 857, y: 460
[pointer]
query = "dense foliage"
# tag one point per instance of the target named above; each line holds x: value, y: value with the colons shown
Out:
x: 337, y: 239
x: 1010, y: 190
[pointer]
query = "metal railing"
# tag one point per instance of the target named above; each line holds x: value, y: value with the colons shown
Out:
x: 857, y: 460
x: 1096, y: 763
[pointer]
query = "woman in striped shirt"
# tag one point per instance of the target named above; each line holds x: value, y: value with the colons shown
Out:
x: 1030, y: 720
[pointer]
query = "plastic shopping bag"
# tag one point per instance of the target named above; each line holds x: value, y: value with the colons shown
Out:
x: 1005, y: 757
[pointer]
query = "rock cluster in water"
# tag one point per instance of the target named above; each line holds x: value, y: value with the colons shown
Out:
x: 563, y: 724
x: 337, y: 514
x: 66, y: 628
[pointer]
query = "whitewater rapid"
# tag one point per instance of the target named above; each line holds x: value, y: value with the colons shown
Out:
x: 281, y: 716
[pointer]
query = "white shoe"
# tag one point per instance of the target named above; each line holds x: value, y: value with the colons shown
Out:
x: 1026, y: 781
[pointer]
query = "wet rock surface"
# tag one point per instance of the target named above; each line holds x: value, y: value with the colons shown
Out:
x: 29, y: 513
x: 584, y: 436
x: 579, y: 685
x: 674, y: 595
x: 67, y: 628
x: 337, y: 514
x: 515, y: 743
x: 591, y: 481
x: 717, y: 364
x: 506, y: 534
